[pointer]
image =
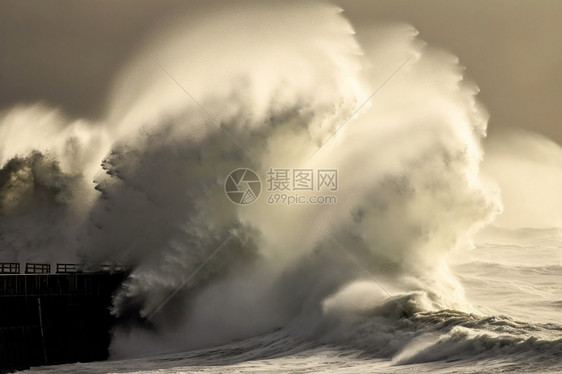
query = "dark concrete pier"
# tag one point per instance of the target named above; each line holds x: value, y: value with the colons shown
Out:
x: 48, y: 319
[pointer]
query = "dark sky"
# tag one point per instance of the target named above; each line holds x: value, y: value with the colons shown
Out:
x: 66, y: 52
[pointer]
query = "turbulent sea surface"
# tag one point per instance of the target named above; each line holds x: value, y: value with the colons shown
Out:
x: 513, y: 276
x: 405, y: 273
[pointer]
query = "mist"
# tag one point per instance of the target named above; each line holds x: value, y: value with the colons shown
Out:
x: 263, y: 87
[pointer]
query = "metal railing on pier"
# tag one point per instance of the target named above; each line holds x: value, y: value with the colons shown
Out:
x: 38, y: 268
x: 9, y: 268
x: 34, y: 268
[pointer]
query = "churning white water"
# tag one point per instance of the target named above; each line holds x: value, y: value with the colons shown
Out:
x: 387, y: 277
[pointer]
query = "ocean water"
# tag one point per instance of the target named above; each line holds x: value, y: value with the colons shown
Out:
x: 512, y: 277
x: 397, y: 276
